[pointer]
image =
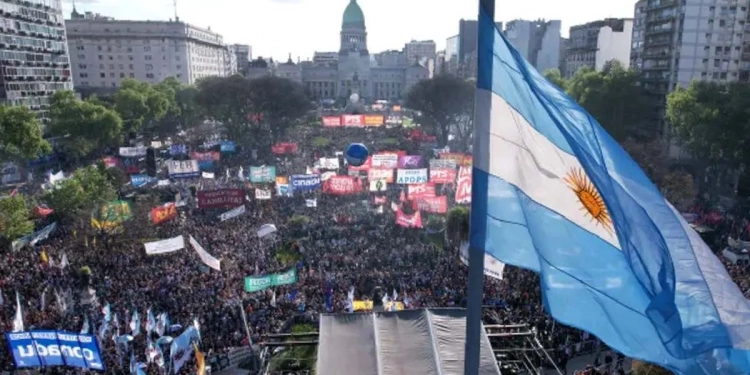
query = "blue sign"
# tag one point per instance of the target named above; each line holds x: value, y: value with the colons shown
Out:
x: 139, y: 180
x: 177, y: 150
x: 227, y: 146
x: 304, y: 182
x: 205, y: 165
x: 54, y: 348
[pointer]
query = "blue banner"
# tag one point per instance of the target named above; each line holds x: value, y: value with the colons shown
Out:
x: 139, y: 180
x: 54, y: 348
x: 304, y: 182
x: 227, y: 146
x: 177, y: 150
x: 206, y: 165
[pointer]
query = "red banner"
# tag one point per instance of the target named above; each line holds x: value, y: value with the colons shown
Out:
x: 442, y: 175
x: 379, y: 200
x: 364, y: 167
x: 331, y: 121
x: 221, y: 198
x: 409, y: 221
x: 163, y: 213
x: 282, y: 148
x: 205, y: 156
x: 375, y: 174
x: 111, y: 162
x: 342, y: 185
x: 463, y: 190
x: 417, y: 191
x: 353, y: 120
x: 435, y: 205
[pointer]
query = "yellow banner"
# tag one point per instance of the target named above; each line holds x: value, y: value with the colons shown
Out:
x: 367, y: 306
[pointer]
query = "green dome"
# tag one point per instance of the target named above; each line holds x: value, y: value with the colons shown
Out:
x: 353, y: 15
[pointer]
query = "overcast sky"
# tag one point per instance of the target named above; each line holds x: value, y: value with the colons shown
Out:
x: 275, y: 28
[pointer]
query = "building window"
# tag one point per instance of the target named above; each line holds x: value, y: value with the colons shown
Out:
x: 102, y: 75
x: 130, y: 66
x: 98, y: 48
x: 149, y: 67
x: 122, y: 75
x: 146, y: 48
x: 82, y: 57
x: 101, y: 57
x: 131, y: 75
x: 112, y: 75
x: 148, y: 57
x: 110, y: 57
x: 82, y: 66
x: 130, y: 49
x: 130, y: 57
x: 111, y: 66
x: 83, y: 75
x: 149, y: 75
x: 122, y: 66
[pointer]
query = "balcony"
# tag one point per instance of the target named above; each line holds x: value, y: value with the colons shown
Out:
x: 658, y: 31
x: 660, y: 4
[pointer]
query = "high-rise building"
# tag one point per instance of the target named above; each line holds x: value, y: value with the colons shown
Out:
x: 33, y: 53
x: 537, y: 41
x: 392, y: 59
x: 596, y: 43
x: 243, y: 54
x: 420, y: 51
x: 108, y: 51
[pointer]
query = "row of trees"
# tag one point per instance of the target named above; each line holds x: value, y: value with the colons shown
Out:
x: 259, y: 110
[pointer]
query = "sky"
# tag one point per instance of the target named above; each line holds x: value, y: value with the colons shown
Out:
x: 276, y: 28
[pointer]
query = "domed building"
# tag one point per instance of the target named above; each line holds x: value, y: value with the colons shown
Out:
x: 352, y: 70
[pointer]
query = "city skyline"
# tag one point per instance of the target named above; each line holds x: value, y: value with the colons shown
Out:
x: 390, y: 23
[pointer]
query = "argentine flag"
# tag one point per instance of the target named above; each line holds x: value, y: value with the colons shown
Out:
x: 555, y: 194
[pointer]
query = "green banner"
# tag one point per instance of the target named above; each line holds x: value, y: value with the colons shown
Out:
x: 256, y: 284
x: 111, y: 215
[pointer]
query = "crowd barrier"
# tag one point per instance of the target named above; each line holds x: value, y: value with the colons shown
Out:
x: 230, y: 359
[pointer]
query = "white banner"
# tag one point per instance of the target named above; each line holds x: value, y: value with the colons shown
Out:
x: 385, y: 161
x: 412, y: 176
x: 312, y: 203
x: 207, y: 175
x: 492, y: 267
x: 131, y: 152
x: 165, y: 246
x: 163, y: 183
x: 329, y: 163
x: 378, y: 185
x: 263, y: 194
x: 266, y: 229
x: 207, y: 258
x: 326, y: 175
x: 231, y: 214
x: 183, y: 168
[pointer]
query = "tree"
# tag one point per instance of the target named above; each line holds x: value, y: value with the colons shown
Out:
x: 229, y: 101
x: 182, y: 111
x: 20, y: 135
x: 676, y: 185
x: 447, y: 105
x: 457, y: 225
x: 644, y: 368
x: 711, y: 120
x: 554, y: 76
x: 90, y: 126
x: 280, y: 101
x: 87, y: 189
x: 15, y: 221
x: 615, y: 98
x: 140, y: 104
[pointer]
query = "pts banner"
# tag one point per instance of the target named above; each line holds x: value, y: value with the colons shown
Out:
x: 55, y: 348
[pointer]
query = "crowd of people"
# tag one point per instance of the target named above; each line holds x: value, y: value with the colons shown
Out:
x: 344, y: 244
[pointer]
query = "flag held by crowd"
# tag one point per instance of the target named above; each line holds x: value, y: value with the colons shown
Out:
x: 554, y: 193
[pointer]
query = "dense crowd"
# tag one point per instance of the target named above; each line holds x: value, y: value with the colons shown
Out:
x: 344, y: 244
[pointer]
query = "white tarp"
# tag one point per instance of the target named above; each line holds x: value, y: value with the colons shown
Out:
x: 131, y: 152
x: 231, y: 214
x: 165, y: 246
x: 266, y: 229
x: 329, y: 163
x: 207, y: 258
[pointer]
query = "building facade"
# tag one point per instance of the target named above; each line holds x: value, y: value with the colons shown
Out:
x: 33, y: 54
x: 537, y: 41
x: 354, y: 71
x: 106, y: 51
x: 596, y: 43
x: 243, y: 54
x: 420, y: 51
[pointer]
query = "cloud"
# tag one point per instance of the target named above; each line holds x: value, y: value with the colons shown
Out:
x: 286, y: 1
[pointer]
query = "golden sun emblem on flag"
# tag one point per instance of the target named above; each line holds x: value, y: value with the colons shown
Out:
x: 590, y: 199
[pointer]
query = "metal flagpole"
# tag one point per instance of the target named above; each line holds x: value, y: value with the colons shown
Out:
x: 476, y: 255
x: 244, y: 320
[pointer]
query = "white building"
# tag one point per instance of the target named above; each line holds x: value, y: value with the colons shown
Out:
x: 420, y: 51
x: 537, y: 41
x: 243, y: 55
x: 230, y: 61
x: 596, y: 43
x: 325, y: 57
x: 33, y: 53
x: 106, y: 51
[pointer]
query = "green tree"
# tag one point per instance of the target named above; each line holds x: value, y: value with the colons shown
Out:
x: 87, y: 189
x: 644, y: 368
x: 711, y: 119
x: 299, y: 358
x: 554, y: 76
x: 229, y: 101
x: 20, y: 135
x: 447, y: 106
x: 90, y: 126
x: 15, y: 221
x: 182, y: 111
x: 280, y: 101
x: 615, y: 98
x: 457, y: 225
x: 141, y: 104
x: 676, y: 185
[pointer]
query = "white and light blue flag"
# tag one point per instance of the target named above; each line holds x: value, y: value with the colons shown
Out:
x: 554, y: 193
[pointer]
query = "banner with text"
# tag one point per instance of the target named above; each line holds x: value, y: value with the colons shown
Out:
x: 165, y: 246
x: 263, y: 194
x: 329, y: 163
x: 389, y: 161
x: 353, y: 120
x: 133, y: 152
x: 283, y: 148
x: 263, y: 174
x: 183, y: 168
x: 231, y: 214
x: 463, y: 190
x: 342, y: 185
x: 410, y: 161
x: 417, y: 191
x: 442, y: 175
x: 435, y: 205
x: 375, y: 174
x: 207, y: 258
x: 205, y: 156
x: 374, y: 120
x: 221, y: 198
x: 305, y: 182
x: 331, y: 121
x: 258, y: 283
x: 412, y: 176
x: 55, y: 348
x: 164, y: 213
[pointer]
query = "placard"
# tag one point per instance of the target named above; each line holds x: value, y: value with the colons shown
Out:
x: 183, y: 168
x: 412, y: 176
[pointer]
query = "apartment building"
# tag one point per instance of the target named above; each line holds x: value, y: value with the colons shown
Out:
x: 596, y: 43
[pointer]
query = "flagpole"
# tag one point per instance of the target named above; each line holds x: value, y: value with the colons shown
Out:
x: 476, y: 254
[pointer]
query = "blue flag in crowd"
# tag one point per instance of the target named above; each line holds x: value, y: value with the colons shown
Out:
x: 329, y: 297
x: 556, y: 194
x: 181, y: 348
